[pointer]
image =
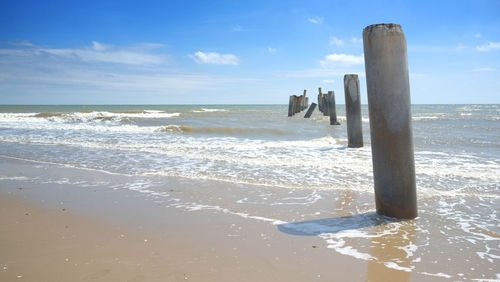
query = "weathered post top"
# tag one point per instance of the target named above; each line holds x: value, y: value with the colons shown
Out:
x: 388, y: 88
x: 389, y: 27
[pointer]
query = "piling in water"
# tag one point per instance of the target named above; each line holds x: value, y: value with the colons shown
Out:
x: 388, y: 88
x: 353, y: 111
x: 310, y: 111
x: 332, y: 111
x: 296, y: 104
x: 303, y: 104
x: 291, y: 106
x: 320, y: 100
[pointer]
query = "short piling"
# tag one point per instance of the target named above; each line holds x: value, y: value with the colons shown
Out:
x: 353, y: 111
x: 310, y: 110
x: 296, y: 101
x: 388, y: 88
x: 290, y: 106
x: 320, y: 100
x: 332, y: 111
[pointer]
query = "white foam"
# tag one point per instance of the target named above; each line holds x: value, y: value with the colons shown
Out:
x: 394, y: 265
x: 209, y: 110
x: 440, y: 274
x: 417, y: 118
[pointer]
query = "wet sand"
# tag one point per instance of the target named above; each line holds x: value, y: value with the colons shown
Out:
x: 65, y: 232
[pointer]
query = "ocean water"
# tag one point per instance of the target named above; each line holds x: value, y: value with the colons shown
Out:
x: 293, y: 172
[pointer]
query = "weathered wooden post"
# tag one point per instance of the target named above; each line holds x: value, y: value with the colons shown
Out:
x: 324, y: 101
x: 304, y: 100
x: 295, y: 103
x: 388, y: 87
x: 320, y: 100
x: 353, y: 111
x: 290, y: 106
x: 332, y: 111
x: 299, y: 104
x: 310, y: 111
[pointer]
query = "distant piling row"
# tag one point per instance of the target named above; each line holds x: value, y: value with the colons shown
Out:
x: 297, y: 104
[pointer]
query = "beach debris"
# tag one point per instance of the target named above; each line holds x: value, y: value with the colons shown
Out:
x: 388, y: 88
x: 353, y: 111
x: 315, y: 247
x: 310, y: 110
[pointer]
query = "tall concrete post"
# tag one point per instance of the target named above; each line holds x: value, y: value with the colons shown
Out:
x: 388, y: 87
x: 353, y: 111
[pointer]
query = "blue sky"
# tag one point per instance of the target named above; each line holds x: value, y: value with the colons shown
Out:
x: 237, y: 52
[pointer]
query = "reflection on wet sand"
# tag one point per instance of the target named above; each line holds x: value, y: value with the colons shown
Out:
x: 392, y: 253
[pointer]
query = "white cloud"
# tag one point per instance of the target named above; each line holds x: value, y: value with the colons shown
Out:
x: 356, y: 40
x: 315, y: 20
x: 99, y: 53
x: 341, y: 60
x: 326, y: 73
x: 329, y: 81
x: 484, y: 69
x: 271, y: 49
x: 237, y: 28
x: 36, y: 68
x: 215, y: 58
x: 490, y: 46
x: 336, y: 41
x: 477, y: 35
x: 99, y: 46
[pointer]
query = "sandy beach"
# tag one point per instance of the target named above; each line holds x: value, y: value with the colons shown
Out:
x: 63, y: 232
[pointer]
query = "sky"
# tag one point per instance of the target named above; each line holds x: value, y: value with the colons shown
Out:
x: 237, y: 52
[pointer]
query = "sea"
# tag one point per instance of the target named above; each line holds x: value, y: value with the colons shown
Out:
x: 255, y: 162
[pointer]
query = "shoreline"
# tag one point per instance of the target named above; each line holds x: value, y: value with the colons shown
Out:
x: 163, y: 242
x: 120, y: 235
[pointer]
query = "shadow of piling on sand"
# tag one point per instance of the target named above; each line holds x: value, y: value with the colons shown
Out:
x: 334, y: 225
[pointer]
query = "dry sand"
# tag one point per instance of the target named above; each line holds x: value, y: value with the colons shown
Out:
x: 69, y: 233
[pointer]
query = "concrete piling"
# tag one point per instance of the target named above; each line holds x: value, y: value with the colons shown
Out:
x: 353, y: 111
x: 388, y: 88
x: 310, y: 111
x: 320, y: 99
x: 303, y: 104
x: 332, y: 111
x: 290, y: 106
